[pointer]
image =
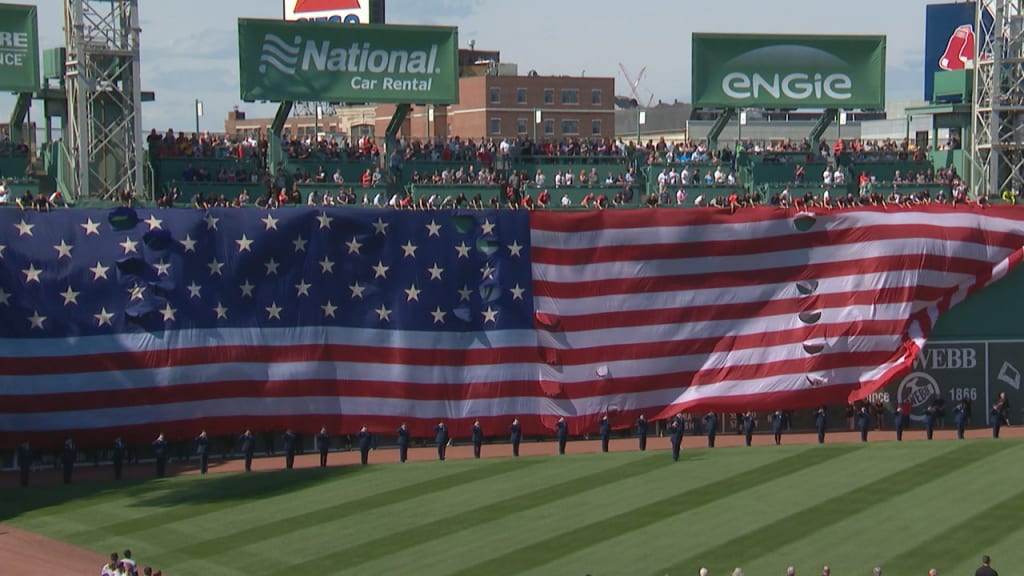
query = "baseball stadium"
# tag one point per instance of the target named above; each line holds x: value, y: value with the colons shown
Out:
x: 431, y: 315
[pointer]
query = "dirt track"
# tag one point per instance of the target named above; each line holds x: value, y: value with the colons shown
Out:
x: 29, y: 554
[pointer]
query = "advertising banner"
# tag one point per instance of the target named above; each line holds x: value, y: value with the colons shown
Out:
x: 787, y: 71
x: 337, y: 11
x: 320, y: 61
x: 950, y: 40
x: 19, y: 48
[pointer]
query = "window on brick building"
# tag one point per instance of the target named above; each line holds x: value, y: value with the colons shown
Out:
x: 595, y: 127
x: 595, y: 97
x: 549, y: 95
x: 570, y: 96
x: 520, y: 95
x: 521, y: 125
x: 495, y: 126
x: 570, y: 127
x: 494, y: 95
x: 549, y: 127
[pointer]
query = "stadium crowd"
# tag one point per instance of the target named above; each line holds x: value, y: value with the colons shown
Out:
x: 125, y: 565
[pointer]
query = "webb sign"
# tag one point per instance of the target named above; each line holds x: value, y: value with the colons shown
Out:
x: 736, y: 70
x: 321, y: 61
x: 19, y: 48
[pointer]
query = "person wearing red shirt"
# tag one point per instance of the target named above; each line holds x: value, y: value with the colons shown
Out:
x: 544, y: 198
x: 366, y: 178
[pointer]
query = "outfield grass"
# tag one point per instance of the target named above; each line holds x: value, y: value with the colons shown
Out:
x: 907, y: 507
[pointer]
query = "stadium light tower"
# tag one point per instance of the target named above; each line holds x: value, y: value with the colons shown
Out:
x: 997, y: 149
x: 104, y: 96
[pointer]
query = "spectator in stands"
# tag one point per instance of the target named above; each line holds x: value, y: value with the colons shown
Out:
x: 544, y: 198
x: 566, y: 200
x: 26, y: 200
x: 799, y: 174
x: 680, y: 196
x: 5, y: 195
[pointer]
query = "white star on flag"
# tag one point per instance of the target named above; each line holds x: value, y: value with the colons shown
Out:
x: 31, y: 273
x: 435, y: 272
x: 357, y: 290
x: 137, y: 292
x: 189, y: 244
x: 272, y: 266
x: 325, y: 220
x: 91, y: 227
x: 353, y: 246
x: 221, y: 311
x: 463, y: 250
x: 273, y: 311
x: 128, y: 245
x: 162, y: 268
x: 99, y: 271
x: 465, y: 293
x: 70, y: 296
x: 215, y: 267
x: 383, y: 314
x: 380, y: 227
x: 103, y: 317
x: 490, y: 315
x: 2, y: 248
x: 247, y: 289
x: 63, y: 249
x: 37, y: 320
x: 380, y: 270
x: 438, y: 315
x: 517, y: 292
x: 168, y: 313
x: 433, y: 229
x: 328, y: 309
x: 244, y: 244
x: 410, y: 250
x: 153, y: 222
x: 300, y: 244
x: 326, y: 266
x: 486, y: 272
x: 514, y: 248
x: 487, y: 227
x: 270, y: 222
x: 211, y: 221
x: 412, y: 293
x: 24, y: 228
x: 193, y: 290
x: 302, y: 288
x: 5, y: 297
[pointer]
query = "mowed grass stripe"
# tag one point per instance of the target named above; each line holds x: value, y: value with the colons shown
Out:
x: 754, y: 544
x: 765, y: 500
x: 276, y: 526
x: 540, y: 553
x: 354, y: 556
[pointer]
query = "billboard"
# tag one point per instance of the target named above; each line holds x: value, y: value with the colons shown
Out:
x: 19, y: 48
x: 950, y: 39
x: 321, y: 61
x: 337, y: 11
x: 788, y: 71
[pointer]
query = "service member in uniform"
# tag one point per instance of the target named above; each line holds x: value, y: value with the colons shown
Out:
x: 675, y: 432
x: 289, y: 448
x: 995, y: 418
x: 160, y: 453
x: 441, y: 439
x: 403, y: 442
x: 563, y: 434
x: 68, y: 455
x: 516, y: 432
x: 863, y: 422
x: 478, y: 438
x: 605, y: 431
x: 960, y: 417
x: 365, y: 442
x: 778, y: 421
x: 899, y: 421
x: 118, y: 457
x: 24, y: 461
x: 641, y: 432
x: 248, y: 441
x: 930, y: 414
x: 323, y: 444
x: 749, y: 423
x: 711, y: 427
x: 203, y: 450
x: 821, y: 423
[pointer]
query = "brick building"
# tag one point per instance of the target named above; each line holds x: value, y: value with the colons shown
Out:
x: 507, y: 106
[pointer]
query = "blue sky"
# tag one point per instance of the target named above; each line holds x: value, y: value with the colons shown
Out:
x: 190, y: 47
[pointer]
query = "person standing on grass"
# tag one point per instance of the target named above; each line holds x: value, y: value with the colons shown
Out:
x: 985, y: 569
x: 711, y: 426
x: 995, y: 418
x: 478, y: 438
x: 289, y: 448
x: 749, y: 422
x: 777, y: 425
x: 118, y: 457
x: 160, y: 453
x: 403, y: 443
x: 562, y: 430
x: 516, y: 432
x: 929, y: 422
x: 641, y: 432
x: 248, y: 442
x: 24, y: 458
x: 960, y: 418
x: 203, y: 450
x: 899, y: 424
x: 863, y: 422
x: 441, y: 439
x: 365, y: 441
x: 675, y: 433
x: 323, y: 444
x: 605, y: 431
x: 821, y: 424
x: 68, y: 455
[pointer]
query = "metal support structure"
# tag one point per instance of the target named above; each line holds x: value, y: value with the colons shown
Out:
x: 997, y: 154
x: 824, y: 121
x: 719, y: 126
x: 391, y: 144
x: 104, y: 96
x: 276, y: 154
x: 18, y: 116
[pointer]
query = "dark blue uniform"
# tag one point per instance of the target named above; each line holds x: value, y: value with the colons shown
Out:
x: 203, y: 450
x: 248, y: 441
x: 929, y: 422
x: 160, y: 453
x: 68, y: 456
x: 711, y: 427
x: 641, y: 432
x: 516, y: 433
x: 863, y: 423
x: 478, y: 439
x: 995, y: 418
x: 821, y: 423
x: 563, y: 435
x: 960, y: 417
x: 748, y: 427
x: 323, y: 444
x: 605, y: 431
x: 441, y: 439
x: 24, y: 462
x: 899, y: 422
x: 118, y: 458
x: 675, y: 432
x: 403, y: 443
x: 777, y: 425
x: 365, y: 442
x: 289, y: 449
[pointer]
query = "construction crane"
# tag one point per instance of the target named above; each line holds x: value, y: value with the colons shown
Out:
x: 634, y: 85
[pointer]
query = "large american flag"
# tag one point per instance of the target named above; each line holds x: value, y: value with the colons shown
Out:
x: 134, y: 322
